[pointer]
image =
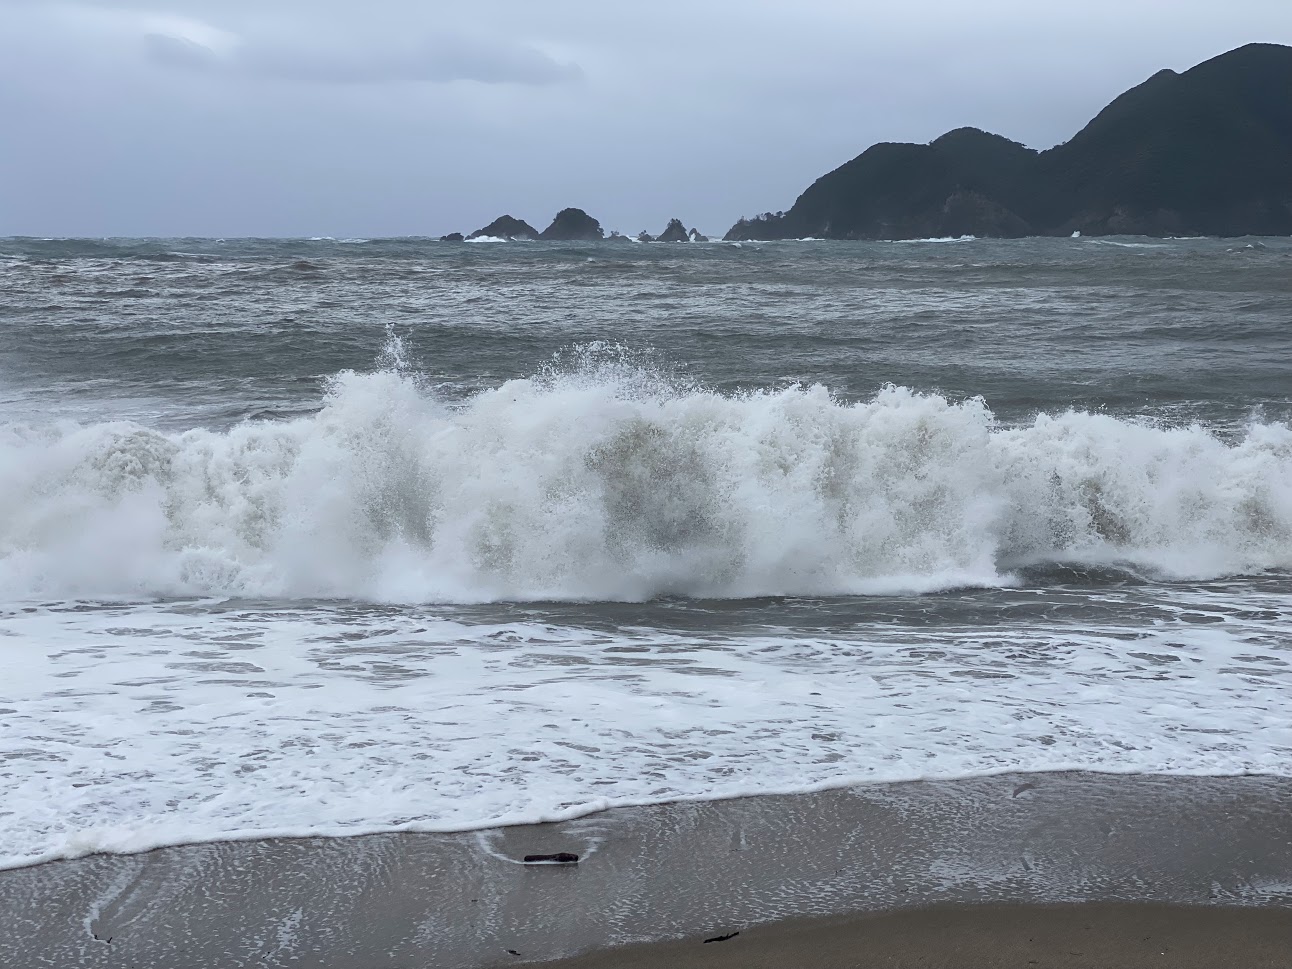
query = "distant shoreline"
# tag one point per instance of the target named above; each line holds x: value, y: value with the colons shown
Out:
x: 351, y: 241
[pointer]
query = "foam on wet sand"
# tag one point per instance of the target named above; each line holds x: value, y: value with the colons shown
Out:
x: 939, y: 870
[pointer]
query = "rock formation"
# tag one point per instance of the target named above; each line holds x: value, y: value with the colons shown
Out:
x: 573, y: 225
x: 674, y: 232
x: 505, y: 227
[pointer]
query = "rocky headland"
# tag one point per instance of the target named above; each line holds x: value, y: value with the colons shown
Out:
x: 1206, y: 152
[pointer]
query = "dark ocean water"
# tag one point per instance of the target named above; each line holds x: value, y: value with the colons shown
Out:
x: 218, y: 331
x: 319, y: 535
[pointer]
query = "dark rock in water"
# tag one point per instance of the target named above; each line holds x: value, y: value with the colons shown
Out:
x: 615, y: 236
x: 675, y: 232
x: 1206, y: 152
x: 645, y: 236
x: 505, y: 227
x: 696, y: 236
x: 560, y: 858
x: 573, y: 225
x: 453, y: 237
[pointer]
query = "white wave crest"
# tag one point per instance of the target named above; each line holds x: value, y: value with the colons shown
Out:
x: 610, y: 482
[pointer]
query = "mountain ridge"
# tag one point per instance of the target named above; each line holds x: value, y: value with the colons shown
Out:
x: 1203, y: 152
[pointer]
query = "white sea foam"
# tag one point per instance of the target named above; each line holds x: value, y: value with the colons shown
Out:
x: 1130, y: 245
x: 133, y: 726
x: 143, y: 723
x: 609, y: 482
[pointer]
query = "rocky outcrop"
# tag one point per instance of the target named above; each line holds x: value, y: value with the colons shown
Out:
x: 573, y: 225
x: 1206, y: 152
x: 675, y: 231
x: 696, y: 236
x: 453, y: 237
x: 505, y: 227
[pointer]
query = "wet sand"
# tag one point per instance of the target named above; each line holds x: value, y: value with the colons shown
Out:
x: 987, y: 937
x: 928, y: 870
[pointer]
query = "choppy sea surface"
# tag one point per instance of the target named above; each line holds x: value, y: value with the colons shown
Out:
x: 339, y: 536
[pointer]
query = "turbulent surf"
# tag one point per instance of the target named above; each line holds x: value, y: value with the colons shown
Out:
x: 610, y: 483
x: 320, y: 536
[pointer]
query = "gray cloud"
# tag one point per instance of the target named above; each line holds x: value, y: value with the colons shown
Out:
x: 436, y: 60
x: 180, y: 52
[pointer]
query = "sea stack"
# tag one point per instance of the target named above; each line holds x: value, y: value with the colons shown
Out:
x: 674, y: 232
x: 505, y: 227
x: 573, y: 225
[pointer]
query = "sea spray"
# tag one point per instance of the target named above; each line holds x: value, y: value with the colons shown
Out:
x: 603, y: 478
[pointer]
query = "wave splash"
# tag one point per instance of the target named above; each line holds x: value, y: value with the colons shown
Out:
x: 606, y: 480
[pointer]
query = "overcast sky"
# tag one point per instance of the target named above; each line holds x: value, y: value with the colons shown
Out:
x: 396, y: 117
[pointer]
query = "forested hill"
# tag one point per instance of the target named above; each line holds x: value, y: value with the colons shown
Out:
x: 1206, y: 152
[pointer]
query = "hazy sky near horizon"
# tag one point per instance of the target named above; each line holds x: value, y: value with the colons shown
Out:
x: 399, y: 117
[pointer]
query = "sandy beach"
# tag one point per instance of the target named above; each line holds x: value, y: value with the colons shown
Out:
x: 1196, y: 870
x: 987, y: 937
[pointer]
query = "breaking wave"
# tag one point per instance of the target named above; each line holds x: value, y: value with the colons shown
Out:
x: 608, y: 480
